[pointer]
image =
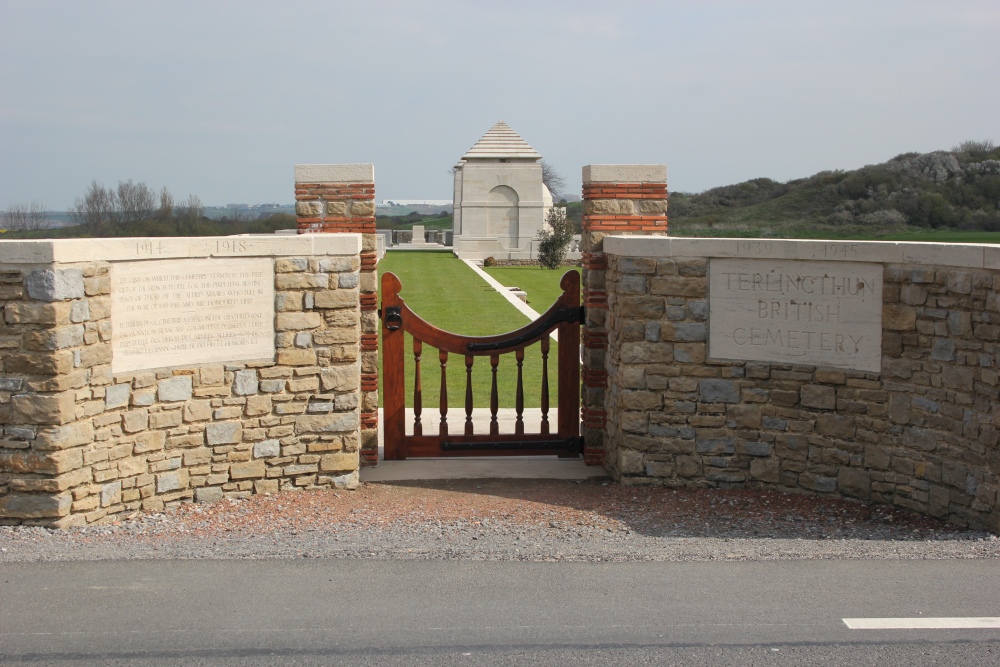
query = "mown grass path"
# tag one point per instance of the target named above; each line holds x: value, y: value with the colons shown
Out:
x: 542, y: 285
x: 444, y: 291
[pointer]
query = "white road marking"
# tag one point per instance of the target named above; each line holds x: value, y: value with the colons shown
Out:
x: 952, y: 623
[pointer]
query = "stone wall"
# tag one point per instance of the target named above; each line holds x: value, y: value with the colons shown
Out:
x: 617, y: 199
x: 339, y: 199
x: 921, y: 432
x: 82, y: 442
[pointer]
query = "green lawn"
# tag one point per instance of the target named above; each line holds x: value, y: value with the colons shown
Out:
x: 542, y: 285
x: 444, y: 291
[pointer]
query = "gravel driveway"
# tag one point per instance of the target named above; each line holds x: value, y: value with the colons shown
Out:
x: 536, y: 520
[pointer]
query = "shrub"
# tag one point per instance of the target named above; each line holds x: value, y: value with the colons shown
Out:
x: 489, y: 261
x: 554, y: 239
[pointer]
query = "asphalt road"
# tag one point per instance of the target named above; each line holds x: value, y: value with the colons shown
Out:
x: 318, y: 612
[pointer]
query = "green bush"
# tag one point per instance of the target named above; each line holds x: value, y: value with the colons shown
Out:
x: 554, y: 239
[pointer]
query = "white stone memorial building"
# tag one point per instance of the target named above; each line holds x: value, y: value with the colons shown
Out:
x: 500, y: 199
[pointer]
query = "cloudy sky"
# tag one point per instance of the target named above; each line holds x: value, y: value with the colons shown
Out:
x: 221, y: 99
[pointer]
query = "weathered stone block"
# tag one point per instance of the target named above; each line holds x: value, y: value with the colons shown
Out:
x: 854, y: 483
x: 35, y: 506
x: 55, y: 284
x: 766, y: 470
x: 297, y: 321
x: 173, y: 480
x: 684, y: 332
x: 716, y: 446
x: 836, y: 426
x: 63, y: 437
x: 898, y: 317
x: 339, y: 461
x: 177, y: 388
x: 819, y: 483
x: 718, y: 391
x: 226, y: 432
x: 643, y: 307
x: 40, y: 363
x: 149, y: 441
x: 43, y: 409
x: 641, y: 400
x: 636, y: 265
x: 245, y: 382
x: 339, y: 298
x: 208, y: 494
x: 296, y: 357
x: 117, y: 395
x: 266, y: 449
x: 57, y: 338
x: 247, y: 470
x: 679, y: 286
x: 328, y: 423
x: 646, y: 353
x: 309, y: 209
x: 33, y: 312
x: 341, y: 377
x: 818, y: 396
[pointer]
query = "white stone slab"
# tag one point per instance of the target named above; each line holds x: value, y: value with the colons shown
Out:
x: 334, y: 173
x: 886, y: 252
x: 335, y: 244
x: 68, y: 251
x: 991, y: 257
x: 250, y: 246
x: 625, y: 173
x: 816, y: 313
x: 172, y: 313
x: 944, y: 254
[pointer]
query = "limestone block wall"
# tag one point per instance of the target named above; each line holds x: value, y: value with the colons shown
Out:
x: 920, y: 431
x: 340, y: 199
x: 83, y: 440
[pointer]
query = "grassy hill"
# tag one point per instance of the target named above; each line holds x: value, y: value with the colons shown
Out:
x: 944, y: 193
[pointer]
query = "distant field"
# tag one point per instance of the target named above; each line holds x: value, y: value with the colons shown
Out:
x: 444, y: 291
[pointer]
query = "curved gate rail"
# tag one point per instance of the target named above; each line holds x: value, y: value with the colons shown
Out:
x: 397, y: 319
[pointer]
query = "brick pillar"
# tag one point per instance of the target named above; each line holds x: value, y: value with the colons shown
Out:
x: 618, y: 199
x: 340, y: 198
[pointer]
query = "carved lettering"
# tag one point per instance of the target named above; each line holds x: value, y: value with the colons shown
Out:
x: 818, y: 313
x: 191, y: 311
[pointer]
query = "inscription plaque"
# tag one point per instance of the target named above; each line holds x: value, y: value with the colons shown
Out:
x: 786, y: 311
x: 191, y: 311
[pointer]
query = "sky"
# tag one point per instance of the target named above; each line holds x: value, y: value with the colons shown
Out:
x: 221, y: 99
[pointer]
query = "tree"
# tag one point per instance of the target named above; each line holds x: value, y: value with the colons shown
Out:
x: 135, y: 202
x: 552, y: 179
x: 554, y: 239
x: 96, y: 211
x: 24, y: 217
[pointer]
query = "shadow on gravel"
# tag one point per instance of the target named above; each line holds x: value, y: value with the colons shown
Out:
x: 665, y: 512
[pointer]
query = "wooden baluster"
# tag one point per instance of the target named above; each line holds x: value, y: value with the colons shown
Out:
x: 443, y: 357
x: 519, y: 400
x: 494, y: 397
x: 468, y: 394
x: 545, y: 385
x: 418, y: 428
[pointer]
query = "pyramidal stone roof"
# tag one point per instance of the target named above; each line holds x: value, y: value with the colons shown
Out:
x: 501, y: 142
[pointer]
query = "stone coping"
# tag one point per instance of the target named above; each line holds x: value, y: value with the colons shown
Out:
x: 334, y: 173
x: 625, y: 173
x: 970, y: 255
x: 139, y: 248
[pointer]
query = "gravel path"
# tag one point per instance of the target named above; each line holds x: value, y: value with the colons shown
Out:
x: 535, y: 520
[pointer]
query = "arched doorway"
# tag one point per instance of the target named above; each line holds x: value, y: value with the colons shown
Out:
x: 502, y: 219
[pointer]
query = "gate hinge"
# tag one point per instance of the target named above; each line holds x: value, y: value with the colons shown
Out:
x: 583, y: 314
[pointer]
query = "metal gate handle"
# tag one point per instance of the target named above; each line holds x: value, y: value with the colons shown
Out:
x: 393, y: 318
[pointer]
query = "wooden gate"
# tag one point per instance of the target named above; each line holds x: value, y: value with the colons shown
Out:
x: 565, y: 315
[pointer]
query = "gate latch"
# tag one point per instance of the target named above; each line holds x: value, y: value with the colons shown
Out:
x: 393, y: 318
